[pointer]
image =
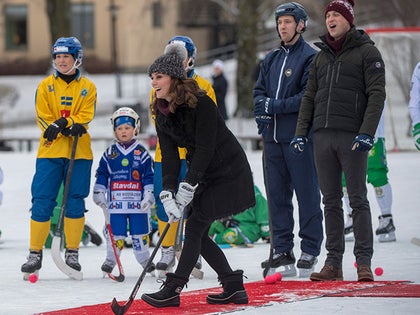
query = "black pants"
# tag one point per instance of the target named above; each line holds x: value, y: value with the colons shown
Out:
x: 333, y: 155
x: 196, y: 242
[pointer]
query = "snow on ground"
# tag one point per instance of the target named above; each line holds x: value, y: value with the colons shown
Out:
x: 400, y: 260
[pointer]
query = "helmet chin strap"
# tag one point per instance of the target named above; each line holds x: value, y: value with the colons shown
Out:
x: 76, y: 65
x: 293, y: 37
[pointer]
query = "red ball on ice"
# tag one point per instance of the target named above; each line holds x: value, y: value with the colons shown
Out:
x: 271, y: 279
x: 379, y: 271
x: 278, y: 276
x: 33, y: 277
x: 355, y: 264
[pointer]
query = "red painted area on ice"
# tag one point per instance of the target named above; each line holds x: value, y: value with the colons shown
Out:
x: 260, y: 294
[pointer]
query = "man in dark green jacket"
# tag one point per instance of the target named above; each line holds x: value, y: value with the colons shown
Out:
x: 343, y: 103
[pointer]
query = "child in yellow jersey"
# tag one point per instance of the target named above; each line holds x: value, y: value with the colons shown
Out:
x: 65, y: 104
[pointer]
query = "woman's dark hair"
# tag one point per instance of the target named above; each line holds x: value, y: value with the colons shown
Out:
x: 182, y: 91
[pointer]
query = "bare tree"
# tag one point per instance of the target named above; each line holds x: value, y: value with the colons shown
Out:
x: 58, y: 12
x: 247, y: 50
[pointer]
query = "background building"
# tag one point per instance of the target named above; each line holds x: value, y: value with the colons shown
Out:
x: 122, y: 34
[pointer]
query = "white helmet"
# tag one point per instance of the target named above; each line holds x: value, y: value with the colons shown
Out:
x: 126, y: 115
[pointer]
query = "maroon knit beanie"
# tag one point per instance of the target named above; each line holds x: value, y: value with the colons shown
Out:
x: 344, y: 7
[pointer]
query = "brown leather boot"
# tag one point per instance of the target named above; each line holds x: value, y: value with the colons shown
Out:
x: 328, y: 273
x: 364, y: 273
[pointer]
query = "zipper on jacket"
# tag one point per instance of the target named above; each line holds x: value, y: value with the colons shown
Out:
x: 278, y: 91
x: 338, y: 72
x: 329, y: 94
x: 357, y: 103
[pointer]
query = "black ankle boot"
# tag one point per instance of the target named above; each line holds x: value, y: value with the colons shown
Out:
x: 233, y: 290
x: 169, y: 293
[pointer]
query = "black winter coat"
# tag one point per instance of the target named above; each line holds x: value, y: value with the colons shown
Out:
x: 216, y: 160
x: 344, y: 91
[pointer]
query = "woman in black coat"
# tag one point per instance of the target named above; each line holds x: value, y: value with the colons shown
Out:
x: 218, y: 182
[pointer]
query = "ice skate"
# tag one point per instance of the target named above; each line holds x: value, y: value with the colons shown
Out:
x: 33, y: 264
x: 72, y: 259
x: 284, y: 261
x: 386, y: 229
x: 151, y: 270
x: 166, y: 262
x: 108, y: 266
x: 92, y: 235
x: 306, y: 265
x: 348, y: 229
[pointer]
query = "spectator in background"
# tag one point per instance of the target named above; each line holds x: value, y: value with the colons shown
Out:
x: 220, y: 86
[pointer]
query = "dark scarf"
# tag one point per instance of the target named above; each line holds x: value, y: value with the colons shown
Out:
x: 163, y: 106
x: 335, y: 45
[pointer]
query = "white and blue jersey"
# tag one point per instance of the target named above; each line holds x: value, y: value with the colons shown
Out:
x: 125, y: 173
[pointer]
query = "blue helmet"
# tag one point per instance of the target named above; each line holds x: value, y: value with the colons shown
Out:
x: 294, y: 9
x: 68, y: 45
x: 186, y: 42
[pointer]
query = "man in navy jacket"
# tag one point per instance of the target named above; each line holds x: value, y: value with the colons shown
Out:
x: 277, y: 97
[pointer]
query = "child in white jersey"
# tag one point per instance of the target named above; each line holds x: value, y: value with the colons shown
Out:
x: 124, y: 185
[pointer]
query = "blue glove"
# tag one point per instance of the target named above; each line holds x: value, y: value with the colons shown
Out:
x: 264, y: 106
x: 362, y: 143
x: 262, y: 122
x: 297, y: 145
x: 416, y: 135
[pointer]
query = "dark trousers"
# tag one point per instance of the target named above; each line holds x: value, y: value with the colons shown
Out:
x: 198, y: 241
x: 333, y: 155
x: 286, y: 173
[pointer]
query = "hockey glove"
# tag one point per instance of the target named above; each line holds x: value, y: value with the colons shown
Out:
x: 362, y: 143
x: 172, y: 210
x: 264, y: 107
x: 230, y: 222
x: 55, y: 128
x: 416, y: 135
x: 148, y: 200
x: 99, y: 197
x: 76, y: 129
x: 185, y: 193
x: 263, y: 121
x: 297, y: 145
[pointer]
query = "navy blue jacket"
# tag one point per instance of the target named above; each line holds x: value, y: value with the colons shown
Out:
x: 283, y: 76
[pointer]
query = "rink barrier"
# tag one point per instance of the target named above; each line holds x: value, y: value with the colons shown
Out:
x: 21, y: 144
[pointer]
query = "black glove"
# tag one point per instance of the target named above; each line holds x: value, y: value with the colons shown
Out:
x: 77, y: 130
x: 297, y: 145
x: 230, y: 222
x: 362, y: 143
x: 55, y: 128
